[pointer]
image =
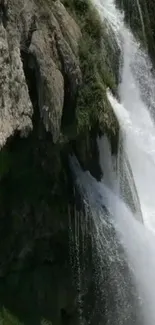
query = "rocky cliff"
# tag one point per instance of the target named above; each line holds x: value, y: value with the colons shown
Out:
x: 56, y: 62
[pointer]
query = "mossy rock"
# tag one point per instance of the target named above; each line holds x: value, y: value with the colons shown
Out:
x: 96, y: 55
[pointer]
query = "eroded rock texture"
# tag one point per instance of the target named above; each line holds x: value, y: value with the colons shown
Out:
x: 15, y: 104
x: 43, y: 36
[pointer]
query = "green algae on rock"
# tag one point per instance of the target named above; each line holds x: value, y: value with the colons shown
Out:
x: 96, y: 54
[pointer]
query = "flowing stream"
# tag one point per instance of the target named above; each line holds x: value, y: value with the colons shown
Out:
x: 122, y: 205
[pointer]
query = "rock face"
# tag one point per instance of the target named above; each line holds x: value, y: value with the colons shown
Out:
x: 48, y: 37
x: 54, y: 71
x: 55, y: 54
x: 15, y: 104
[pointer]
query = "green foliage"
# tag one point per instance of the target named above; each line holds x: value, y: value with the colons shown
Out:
x: 92, y: 105
x: 80, y: 6
x: 92, y: 101
x: 87, y: 17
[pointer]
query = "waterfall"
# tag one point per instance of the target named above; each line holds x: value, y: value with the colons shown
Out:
x: 136, y: 111
x: 125, y: 246
x: 118, y: 174
x: 118, y: 300
x: 141, y: 19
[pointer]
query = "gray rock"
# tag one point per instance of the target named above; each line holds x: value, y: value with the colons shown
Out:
x: 50, y: 37
x: 15, y: 104
x: 55, y: 45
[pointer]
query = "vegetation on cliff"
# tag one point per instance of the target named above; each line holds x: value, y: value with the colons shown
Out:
x: 95, y: 50
x: 66, y: 79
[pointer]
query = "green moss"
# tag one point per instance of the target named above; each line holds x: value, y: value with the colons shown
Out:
x: 92, y: 105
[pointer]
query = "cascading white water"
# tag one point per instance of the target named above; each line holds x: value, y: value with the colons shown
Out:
x: 119, y: 303
x: 137, y: 97
x: 135, y: 113
x: 129, y: 281
x: 118, y: 175
x: 138, y: 241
